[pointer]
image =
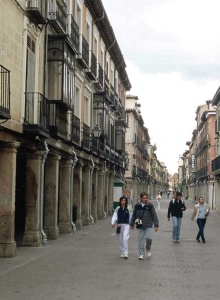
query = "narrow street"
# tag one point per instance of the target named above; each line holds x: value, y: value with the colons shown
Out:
x: 86, y: 265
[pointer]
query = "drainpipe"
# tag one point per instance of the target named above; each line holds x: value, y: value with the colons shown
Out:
x: 43, y: 234
x: 71, y: 190
x: 102, y: 17
x: 90, y: 196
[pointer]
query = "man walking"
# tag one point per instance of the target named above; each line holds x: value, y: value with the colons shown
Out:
x: 175, y: 209
x: 145, y: 218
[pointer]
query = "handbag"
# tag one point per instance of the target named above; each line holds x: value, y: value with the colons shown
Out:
x: 118, y: 229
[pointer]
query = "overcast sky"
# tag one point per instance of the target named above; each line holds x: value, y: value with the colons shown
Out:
x: 172, y: 52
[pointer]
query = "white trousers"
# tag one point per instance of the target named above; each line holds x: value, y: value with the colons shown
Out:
x: 123, y: 238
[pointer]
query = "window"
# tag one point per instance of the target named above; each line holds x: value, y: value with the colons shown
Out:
x: 77, y: 102
x: 87, y: 110
x: 102, y: 59
x: 78, y: 17
x: 30, y: 63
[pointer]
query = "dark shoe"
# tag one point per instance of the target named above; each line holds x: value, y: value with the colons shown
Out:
x: 198, y: 240
x: 203, y: 241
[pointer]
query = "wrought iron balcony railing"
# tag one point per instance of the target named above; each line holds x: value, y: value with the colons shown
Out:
x: 4, y: 93
x: 83, y: 56
x: 86, y: 136
x: 37, y: 113
x: 216, y: 165
x: 73, y: 31
x: 92, y: 70
x: 58, y: 120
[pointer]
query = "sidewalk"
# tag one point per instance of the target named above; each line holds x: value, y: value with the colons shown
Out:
x: 86, y: 265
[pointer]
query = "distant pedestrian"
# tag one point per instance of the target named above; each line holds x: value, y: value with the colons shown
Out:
x: 168, y: 194
x: 200, y: 213
x: 175, y: 209
x: 121, y: 217
x: 145, y: 218
x: 158, y: 200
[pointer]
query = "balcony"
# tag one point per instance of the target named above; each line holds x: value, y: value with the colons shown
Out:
x: 73, y: 129
x: 57, y: 16
x: 83, y: 57
x: 86, y: 137
x: 36, y: 11
x: 92, y: 70
x: 100, y: 77
x: 37, y: 112
x: 216, y: 165
x: 73, y: 32
x: 4, y: 93
x: 58, y: 120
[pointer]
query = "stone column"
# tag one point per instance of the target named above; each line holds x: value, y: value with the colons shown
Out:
x: 77, y: 195
x: 106, y: 192
x: 7, y: 198
x: 110, y: 193
x: 65, y: 222
x: 33, y: 235
x: 51, y: 197
x: 95, y: 188
x: 86, y: 195
x: 100, y: 201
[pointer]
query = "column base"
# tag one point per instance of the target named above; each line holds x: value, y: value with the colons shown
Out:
x: 32, y: 239
x: 95, y: 217
x: 85, y: 221
x: 8, y: 249
x: 65, y: 227
x: 52, y: 232
x: 78, y: 223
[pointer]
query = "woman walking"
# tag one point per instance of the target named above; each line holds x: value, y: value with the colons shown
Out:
x: 122, y: 217
x: 200, y: 213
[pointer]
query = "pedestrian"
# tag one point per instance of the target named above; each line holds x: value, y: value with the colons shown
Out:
x: 145, y: 218
x: 200, y: 213
x: 121, y: 217
x: 168, y: 194
x: 175, y: 209
x: 158, y: 200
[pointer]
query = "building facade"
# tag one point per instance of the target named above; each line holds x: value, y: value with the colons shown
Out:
x: 62, y: 119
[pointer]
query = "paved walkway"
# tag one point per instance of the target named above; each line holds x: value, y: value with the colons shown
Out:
x: 86, y: 265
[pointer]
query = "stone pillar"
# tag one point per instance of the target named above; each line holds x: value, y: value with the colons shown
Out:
x: 100, y: 201
x: 51, y: 197
x: 65, y: 207
x: 77, y: 195
x: 86, y: 195
x: 32, y: 234
x: 106, y: 192
x: 95, y: 188
x: 110, y: 193
x: 7, y: 198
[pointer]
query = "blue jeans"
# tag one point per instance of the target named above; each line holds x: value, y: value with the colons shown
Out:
x: 176, y: 228
x: 201, y: 224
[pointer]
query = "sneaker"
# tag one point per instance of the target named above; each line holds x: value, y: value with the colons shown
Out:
x: 177, y: 241
x: 141, y: 257
x: 125, y: 256
x: 122, y: 256
x: 174, y: 241
x: 148, y: 254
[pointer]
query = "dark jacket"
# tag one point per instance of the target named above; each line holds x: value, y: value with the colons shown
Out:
x: 147, y: 213
x: 175, y: 210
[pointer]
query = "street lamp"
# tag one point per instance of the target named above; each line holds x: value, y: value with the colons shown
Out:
x: 97, y: 131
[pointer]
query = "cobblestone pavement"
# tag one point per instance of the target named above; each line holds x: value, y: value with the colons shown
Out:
x: 86, y: 265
